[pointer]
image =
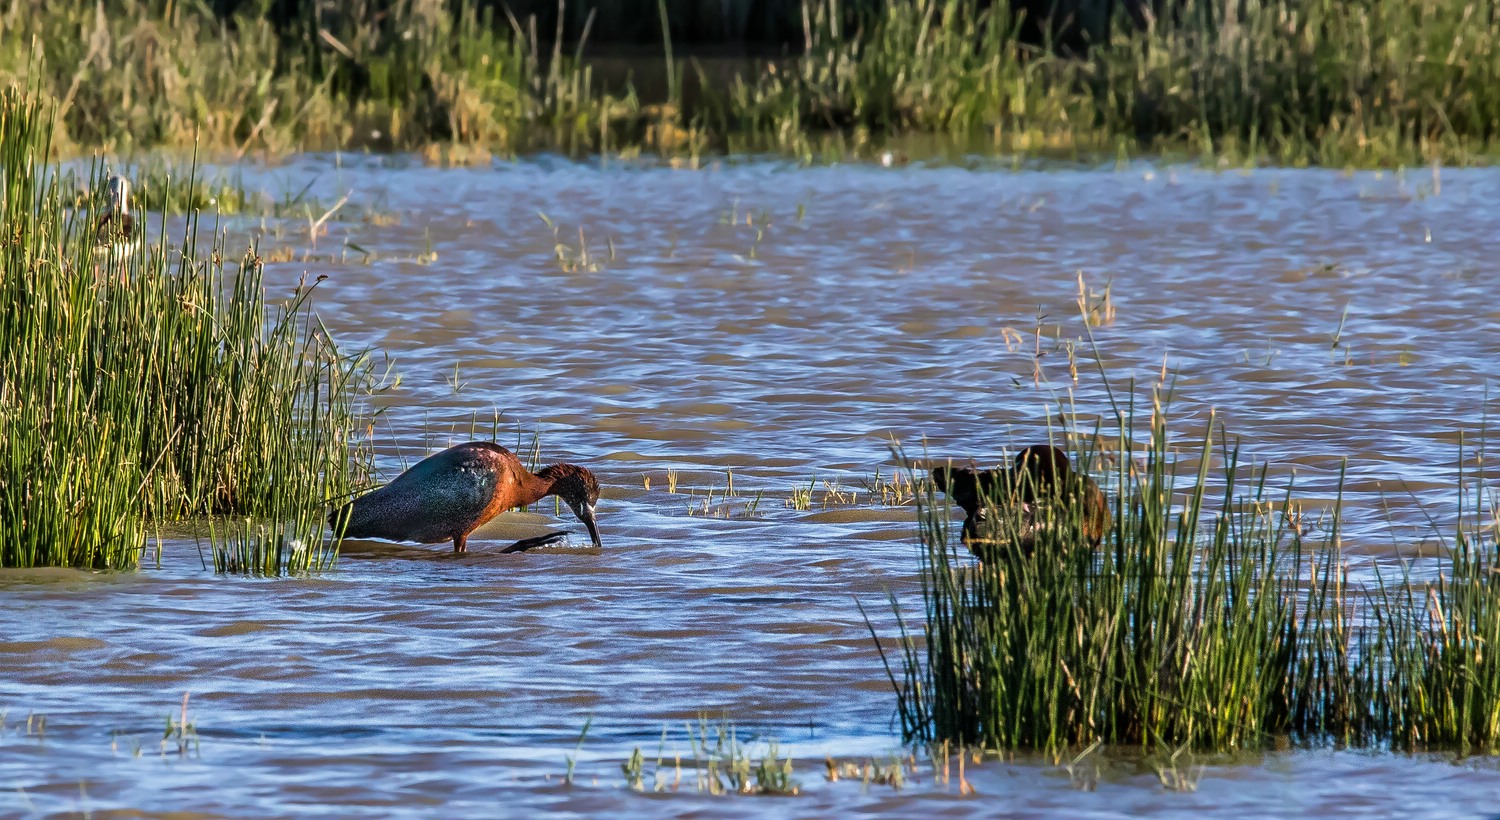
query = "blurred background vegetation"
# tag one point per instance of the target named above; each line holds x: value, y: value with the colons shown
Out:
x: 1364, y: 82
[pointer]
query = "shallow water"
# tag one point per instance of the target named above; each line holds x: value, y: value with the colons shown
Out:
x: 784, y: 324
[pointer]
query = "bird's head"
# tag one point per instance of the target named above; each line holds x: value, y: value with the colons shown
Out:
x: 967, y: 486
x: 117, y: 194
x: 578, y: 488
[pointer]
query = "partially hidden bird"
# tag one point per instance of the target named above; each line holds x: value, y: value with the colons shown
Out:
x: 1041, y: 490
x: 114, y: 230
x: 448, y: 495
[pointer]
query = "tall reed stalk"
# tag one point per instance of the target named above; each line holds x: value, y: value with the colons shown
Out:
x: 154, y: 384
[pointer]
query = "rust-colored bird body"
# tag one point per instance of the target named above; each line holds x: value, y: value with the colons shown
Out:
x: 448, y: 495
x: 1041, y: 478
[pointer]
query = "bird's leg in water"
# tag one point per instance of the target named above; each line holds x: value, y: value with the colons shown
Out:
x: 459, y: 544
x: 539, y: 541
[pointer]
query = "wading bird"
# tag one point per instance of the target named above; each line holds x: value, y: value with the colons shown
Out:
x: 114, y: 232
x: 450, y: 494
x: 1041, y: 489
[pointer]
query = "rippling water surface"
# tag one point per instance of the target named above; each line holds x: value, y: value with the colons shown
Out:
x: 784, y: 325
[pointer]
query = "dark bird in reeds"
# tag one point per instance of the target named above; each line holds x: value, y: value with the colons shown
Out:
x: 114, y: 231
x: 447, y: 496
x: 1041, y: 490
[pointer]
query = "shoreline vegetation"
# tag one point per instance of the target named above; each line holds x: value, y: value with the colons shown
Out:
x: 145, y: 381
x: 1291, y: 82
x: 160, y: 383
x: 1217, y: 615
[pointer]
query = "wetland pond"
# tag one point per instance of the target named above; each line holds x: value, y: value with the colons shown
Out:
x: 782, y: 324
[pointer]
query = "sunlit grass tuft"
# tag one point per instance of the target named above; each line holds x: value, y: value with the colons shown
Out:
x: 157, y: 383
x: 1214, y: 616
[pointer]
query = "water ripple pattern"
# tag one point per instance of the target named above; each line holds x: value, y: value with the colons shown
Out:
x: 783, y: 325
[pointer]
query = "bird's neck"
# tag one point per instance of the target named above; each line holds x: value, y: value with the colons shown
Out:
x: 534, y: 488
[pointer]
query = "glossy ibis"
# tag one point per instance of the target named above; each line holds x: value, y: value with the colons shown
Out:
x: 1041, y: 478
x: 446, y: 496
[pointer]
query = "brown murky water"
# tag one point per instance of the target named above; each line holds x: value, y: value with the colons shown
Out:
x: 784, y: 324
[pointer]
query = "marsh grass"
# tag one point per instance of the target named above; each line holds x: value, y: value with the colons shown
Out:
x: 156, y: 384
x: 895, y: 490
x: 1212, y: 617
x: 1289, y: 81
x: 410, y: 76
x: 1183, y: 627
x: 573, y: 758
x: 1427, y: 675
x: 577, y: 258
x: 722, y: 764
x: 734, y: 499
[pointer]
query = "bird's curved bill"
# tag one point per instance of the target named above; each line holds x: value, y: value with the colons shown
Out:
x: 586, y: 515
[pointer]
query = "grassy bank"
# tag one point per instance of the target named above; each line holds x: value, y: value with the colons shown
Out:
x: 154, y: 383
x: 1289, y: 81
x: 1216, y: 615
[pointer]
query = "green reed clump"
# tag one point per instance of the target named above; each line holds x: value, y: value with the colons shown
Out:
x: 155, y: 382
x: 1187, y: 625
x: 68, y: 477
x: 1427, y: 668
x: 1209, y: 618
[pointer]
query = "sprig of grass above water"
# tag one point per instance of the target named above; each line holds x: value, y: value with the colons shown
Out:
x: 722, y: 764
x: 155, y: 385
x: 714, y: 501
